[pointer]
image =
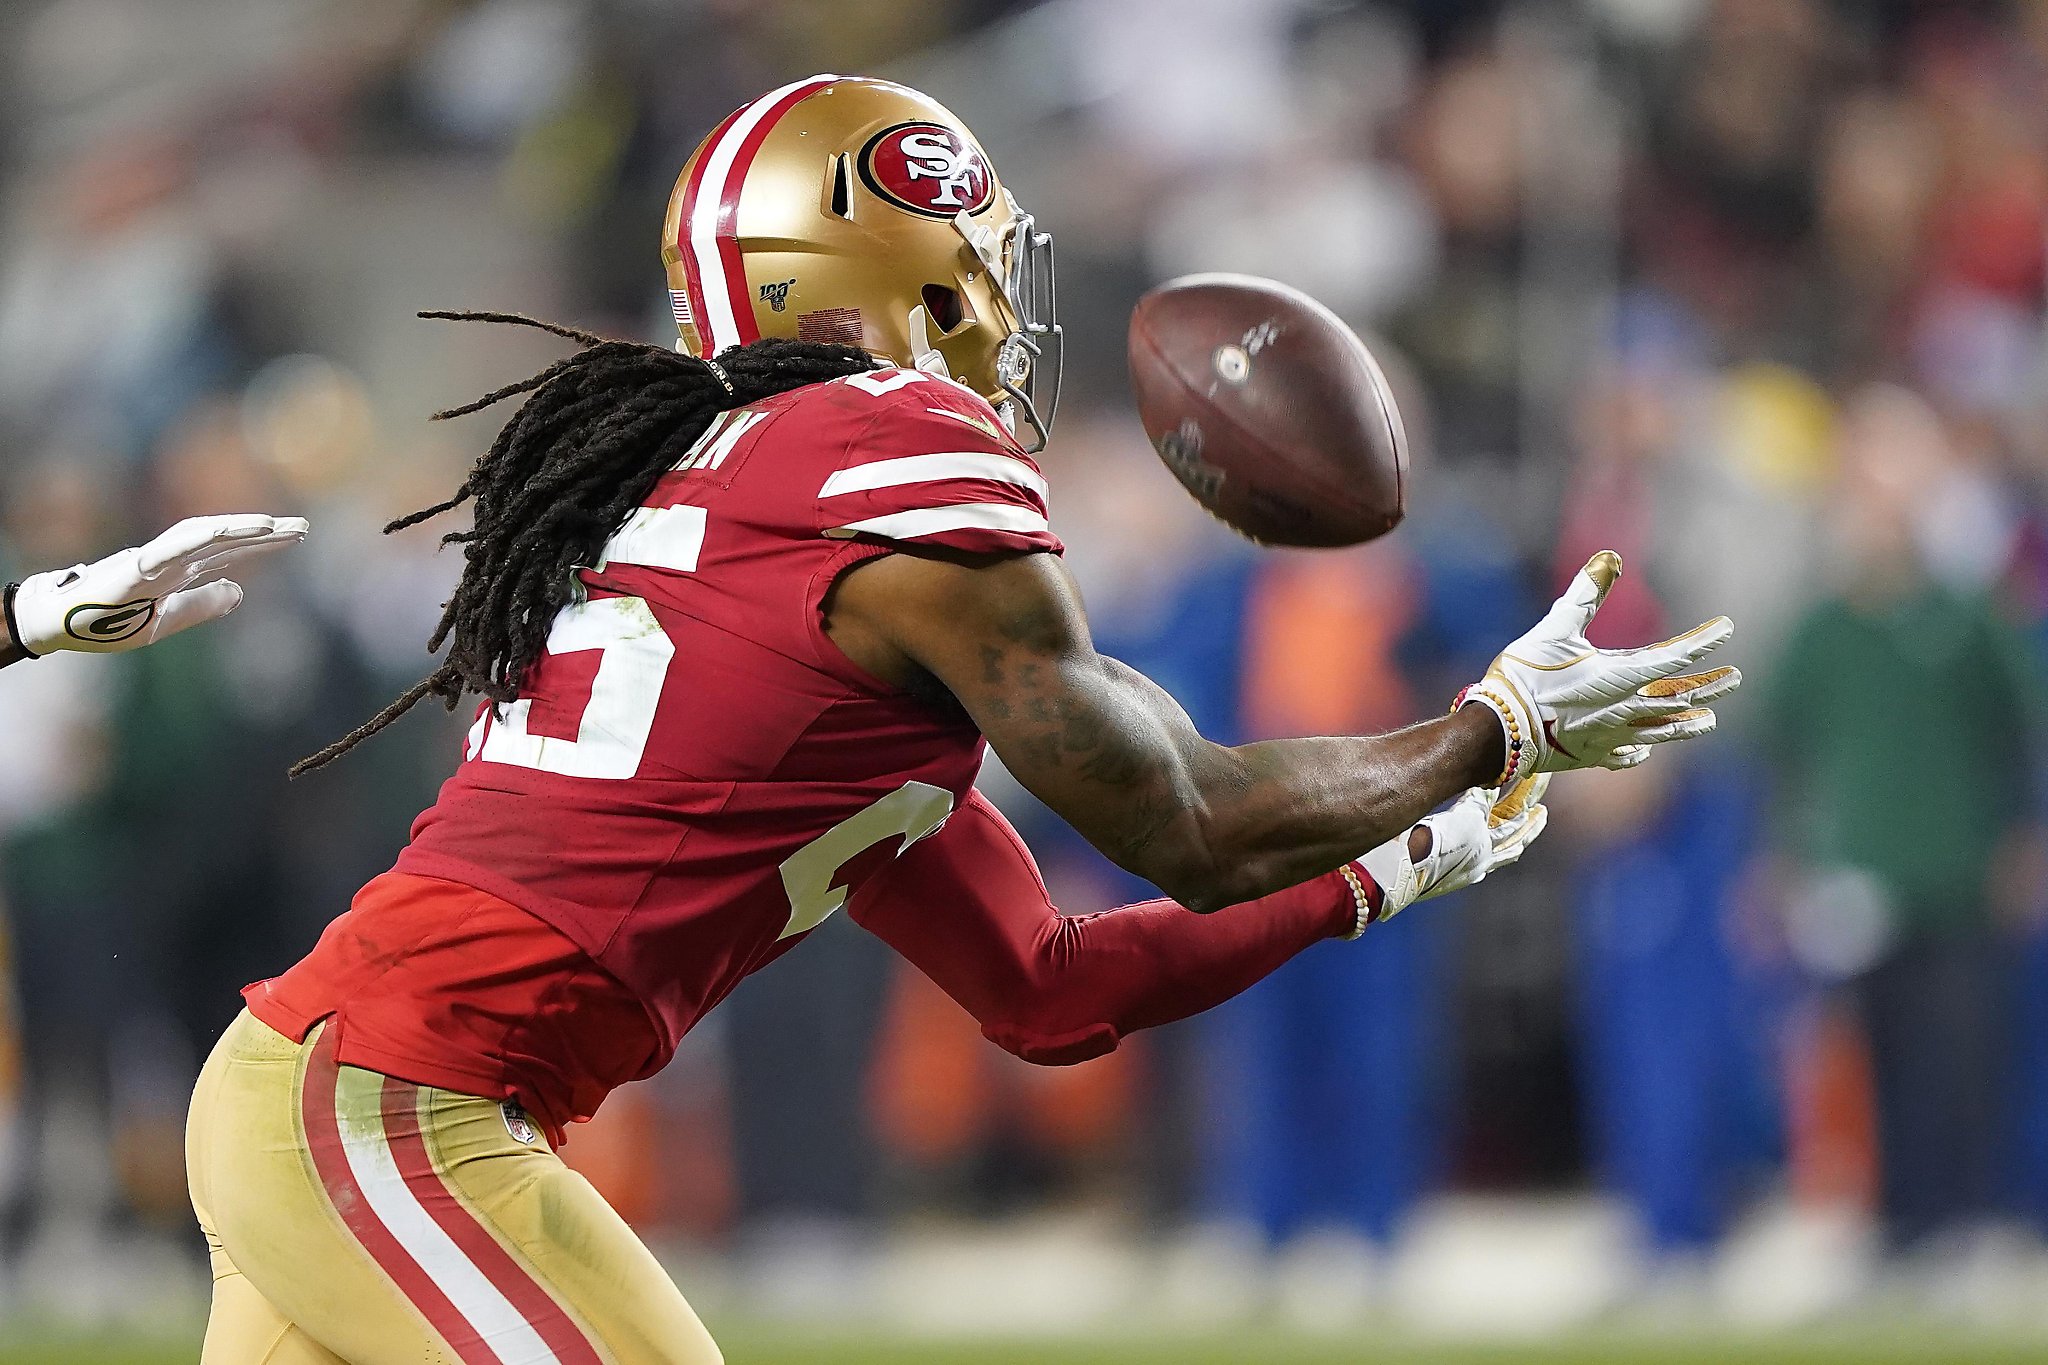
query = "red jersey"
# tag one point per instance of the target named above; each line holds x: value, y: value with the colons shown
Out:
x: 441, y: 984
x: 694, y: 776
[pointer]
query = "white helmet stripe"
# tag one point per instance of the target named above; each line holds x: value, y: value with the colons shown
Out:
x: 717, y: 195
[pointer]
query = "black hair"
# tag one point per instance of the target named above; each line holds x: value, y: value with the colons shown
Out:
x: 562, y: 477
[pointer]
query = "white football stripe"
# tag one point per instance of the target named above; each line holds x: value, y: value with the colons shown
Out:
x: 719, y: 306
x: 502, y: 1327
x: 658, y: 538
x: 958, y: 464
x: 929, y: 521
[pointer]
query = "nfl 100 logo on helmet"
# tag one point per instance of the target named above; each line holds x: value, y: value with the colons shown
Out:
x: 927, y: 168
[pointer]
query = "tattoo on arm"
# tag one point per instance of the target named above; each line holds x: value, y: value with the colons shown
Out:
x: 1115, y: 755
x: 1088, y: 719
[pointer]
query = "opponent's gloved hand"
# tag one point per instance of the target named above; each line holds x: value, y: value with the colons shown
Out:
x: 140, y: 596
x: 1473, y: 836
x: 1565, y: 704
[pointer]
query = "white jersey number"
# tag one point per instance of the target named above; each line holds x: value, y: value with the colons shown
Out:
x: 624, y: 696
x: 909, y: 813
x: 611, y: 739
x: 616, y: 725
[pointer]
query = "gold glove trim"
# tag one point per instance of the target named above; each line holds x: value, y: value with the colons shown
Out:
x: 1517, y: 799
x: 1679, y: 686
x: 1549, y: 668
x: 1699, y: 629
x: 1675, y: 718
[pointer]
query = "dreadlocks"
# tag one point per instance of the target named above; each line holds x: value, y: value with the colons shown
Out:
x: 564, y: 474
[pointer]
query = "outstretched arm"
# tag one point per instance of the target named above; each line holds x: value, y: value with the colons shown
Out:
x: 140, y: 596
x: 1213, y: 825
x: 1119, y: 759
x: 967, y: 908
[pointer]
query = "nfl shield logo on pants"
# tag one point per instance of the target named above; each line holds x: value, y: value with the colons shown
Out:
x: 518, y: 1124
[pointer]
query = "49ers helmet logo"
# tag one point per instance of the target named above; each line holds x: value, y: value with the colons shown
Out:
x: 927, y: 168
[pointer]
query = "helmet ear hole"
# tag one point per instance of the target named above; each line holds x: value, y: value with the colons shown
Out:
x: 842, y: 189
x: 947, y: 309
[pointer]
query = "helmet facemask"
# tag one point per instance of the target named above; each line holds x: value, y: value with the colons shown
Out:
x: 1019, y: 260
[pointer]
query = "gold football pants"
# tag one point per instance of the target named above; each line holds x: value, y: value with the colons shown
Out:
x: 355, y: 1218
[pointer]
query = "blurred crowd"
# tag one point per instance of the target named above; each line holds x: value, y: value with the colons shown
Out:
x: 1749, y: 290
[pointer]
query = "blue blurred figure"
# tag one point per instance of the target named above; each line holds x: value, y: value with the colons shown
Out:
x: 1323, y: 1123
x: 1672, y: 1076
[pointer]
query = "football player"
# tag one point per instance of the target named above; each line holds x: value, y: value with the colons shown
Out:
x: 743, y: 616
x: 140, y: 596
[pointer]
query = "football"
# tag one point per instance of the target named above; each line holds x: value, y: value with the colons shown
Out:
x: 1269, y: 410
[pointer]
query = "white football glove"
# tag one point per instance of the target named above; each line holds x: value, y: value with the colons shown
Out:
x: 1473, y: 836
x: 1568, y: 705
x: 140, y: 596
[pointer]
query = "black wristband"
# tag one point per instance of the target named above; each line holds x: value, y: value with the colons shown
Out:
x: 14, y: 626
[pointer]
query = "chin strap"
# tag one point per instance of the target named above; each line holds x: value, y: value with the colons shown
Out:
x: 924, y: 356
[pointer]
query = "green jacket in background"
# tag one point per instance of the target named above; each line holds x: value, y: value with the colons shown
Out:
x: 1904, y: 737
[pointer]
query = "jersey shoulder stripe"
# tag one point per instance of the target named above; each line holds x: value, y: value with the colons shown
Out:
x: 901, y: 470
x: 924, y: 522
x: 932, y: 463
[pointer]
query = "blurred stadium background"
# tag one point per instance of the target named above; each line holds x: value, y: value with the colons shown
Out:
x: 1749, y: 1059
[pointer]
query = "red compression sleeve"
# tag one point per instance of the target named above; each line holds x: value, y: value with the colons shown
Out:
x: 968, y: 908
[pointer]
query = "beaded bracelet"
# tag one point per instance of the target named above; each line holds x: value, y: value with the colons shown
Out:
x: 1481, y: 693
x: 1368, y: 909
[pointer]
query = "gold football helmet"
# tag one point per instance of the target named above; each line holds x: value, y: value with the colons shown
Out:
x: 858, y: 211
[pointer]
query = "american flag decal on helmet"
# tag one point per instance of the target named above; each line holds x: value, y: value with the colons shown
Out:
x: 679, y: 304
